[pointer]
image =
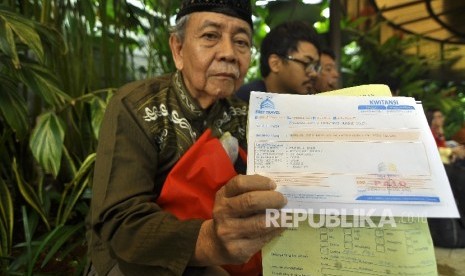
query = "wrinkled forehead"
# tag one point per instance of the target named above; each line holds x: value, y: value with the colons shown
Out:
x: 221, y: 22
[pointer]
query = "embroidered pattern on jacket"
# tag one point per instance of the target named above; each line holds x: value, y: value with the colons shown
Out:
x: 238, y: 111
x: 220, y: 122
x: 182, y: 94
x: 160, y: 139
x: 233, y: 112
x: 154, y: 113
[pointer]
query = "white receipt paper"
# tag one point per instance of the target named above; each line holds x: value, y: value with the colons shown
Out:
x: 348, y: 153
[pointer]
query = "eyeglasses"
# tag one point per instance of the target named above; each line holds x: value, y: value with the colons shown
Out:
x: 310, y: 66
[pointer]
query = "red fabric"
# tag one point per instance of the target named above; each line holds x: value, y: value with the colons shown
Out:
x: 190, y: 188
x: 439, y: 138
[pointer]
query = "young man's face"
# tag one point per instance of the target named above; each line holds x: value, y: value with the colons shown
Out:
x: 214, y: 56
x: 294, y: 77
x: 438, y: 119
x: 328, y: 77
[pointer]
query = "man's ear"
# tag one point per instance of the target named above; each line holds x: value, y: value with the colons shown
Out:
x: 275, y: 62
x: 176, y: 51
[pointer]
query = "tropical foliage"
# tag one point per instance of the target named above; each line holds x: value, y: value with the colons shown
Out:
x: 366, y: 59
x: 60, y: 62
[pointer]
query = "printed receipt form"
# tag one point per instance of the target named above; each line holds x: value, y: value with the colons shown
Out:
x: 356, y: 155
x: 348, y: 153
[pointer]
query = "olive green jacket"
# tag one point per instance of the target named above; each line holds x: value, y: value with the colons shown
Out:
x: 148, y: 126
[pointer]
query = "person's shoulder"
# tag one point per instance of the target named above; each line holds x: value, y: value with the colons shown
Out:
x: 254, y: 85
x: 243, y: 92
x: 237, y: 103
x: 143, y: 88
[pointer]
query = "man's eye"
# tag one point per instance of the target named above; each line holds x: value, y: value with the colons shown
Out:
x: 210, y: 36
x: 243, y: 43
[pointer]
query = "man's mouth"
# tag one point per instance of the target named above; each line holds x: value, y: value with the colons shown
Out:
x: 332, y: 84
x: 309, y: 84
x: 226, y: 75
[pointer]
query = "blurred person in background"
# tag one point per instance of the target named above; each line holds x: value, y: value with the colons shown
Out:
x: 289, y: 61
x: 328, y: 77
x: 450, y: 151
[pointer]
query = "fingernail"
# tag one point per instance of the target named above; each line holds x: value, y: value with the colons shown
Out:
x: 272, y: 185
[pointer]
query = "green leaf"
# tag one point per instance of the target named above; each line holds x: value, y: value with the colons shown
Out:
x: 13, y: 107
x: 88, y: 12
x: 68, y: 162
x: 59, y: 238
x: 4, y: 240
x: 7, y: 44
x: 42, y: 81
x: 97, y: 109
x: 283, y: 10
x: 30, y: 195
x: 46, y: 142
x: 50, y: 236
x: 24, y: 29
x: 28, y: 238
x: 6, y: 218
x: 51, y: 37
x: 78, y: 185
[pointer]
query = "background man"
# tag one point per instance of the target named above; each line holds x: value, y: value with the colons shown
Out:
x: 150, y: 126
x: 289, y: 61
x: 450, y: 151
x: 328, y: 77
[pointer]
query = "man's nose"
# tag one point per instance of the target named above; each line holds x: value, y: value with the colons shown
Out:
x: 312, y: 73
x: 226, y: 50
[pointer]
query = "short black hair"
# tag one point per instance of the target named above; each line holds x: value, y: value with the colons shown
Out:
x: 283, y: 39
x: 430, y: 114
x: 328, y: 52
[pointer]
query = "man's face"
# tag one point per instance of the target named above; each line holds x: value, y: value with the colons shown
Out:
x: 214, y: 56
x: 293, y: 77
x: 328, y: 77
x: 438, y: 119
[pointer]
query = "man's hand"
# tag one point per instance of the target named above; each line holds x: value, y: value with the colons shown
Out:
x: 459, y: 152
x: 238, y: 230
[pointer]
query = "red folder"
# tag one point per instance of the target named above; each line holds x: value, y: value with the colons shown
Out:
x: 190, y: 188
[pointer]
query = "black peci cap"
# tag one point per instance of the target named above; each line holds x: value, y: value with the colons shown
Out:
x: 236, y: 8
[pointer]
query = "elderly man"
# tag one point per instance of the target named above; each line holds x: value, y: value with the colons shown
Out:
x: 289, y: 61
x: 150, y: 167
x: 328, y: 77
